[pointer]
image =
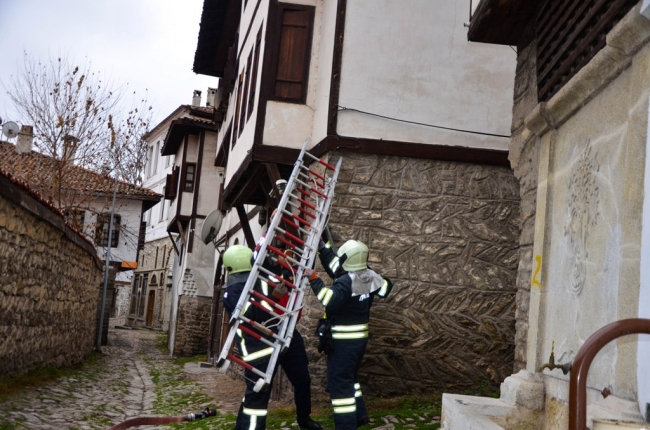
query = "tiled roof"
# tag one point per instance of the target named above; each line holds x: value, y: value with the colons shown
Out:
x: 72, y: 232
x: 39, y: 171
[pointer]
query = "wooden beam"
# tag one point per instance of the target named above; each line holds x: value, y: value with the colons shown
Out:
x: 245, y: 226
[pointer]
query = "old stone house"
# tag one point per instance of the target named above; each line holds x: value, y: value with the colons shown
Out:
x: 49, y: 283
x: 421, y: 118
x: 192, y: 191
x: 86, y: 199
x: 151, y: 300
x: 580, y: 152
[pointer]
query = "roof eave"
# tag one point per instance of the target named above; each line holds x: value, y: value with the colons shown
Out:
x: 218, y: 27
x: 177, y: 131
x: 501, y: 22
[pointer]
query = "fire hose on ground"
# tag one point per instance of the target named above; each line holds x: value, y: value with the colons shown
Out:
x: 149, y: 421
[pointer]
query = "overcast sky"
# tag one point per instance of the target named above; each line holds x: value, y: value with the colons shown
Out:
x: 148, y: 44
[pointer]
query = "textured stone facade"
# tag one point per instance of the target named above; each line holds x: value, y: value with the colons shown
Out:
x: 447, y: 234
x: 193, y: 329
x: 49, y: 287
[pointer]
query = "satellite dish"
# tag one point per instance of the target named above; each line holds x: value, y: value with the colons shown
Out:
x: 211, y: 226
x: 10, y: 129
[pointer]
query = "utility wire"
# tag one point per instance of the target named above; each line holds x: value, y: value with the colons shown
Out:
x: 343, y: 108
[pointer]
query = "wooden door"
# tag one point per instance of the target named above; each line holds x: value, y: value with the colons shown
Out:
x: 150, y: 304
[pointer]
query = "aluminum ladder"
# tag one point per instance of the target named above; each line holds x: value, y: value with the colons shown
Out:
x: 305, y: 206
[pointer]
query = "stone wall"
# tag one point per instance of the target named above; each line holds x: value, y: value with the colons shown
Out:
x: 524, y: 159
x: 447, y: 234
x: 193, y: 327
x: 49, y: 285
x: 122, y: 302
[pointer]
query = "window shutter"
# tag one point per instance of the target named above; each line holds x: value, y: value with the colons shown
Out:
x: 141, y: 235
x: 169, y: 190
x: 171, y: 184
x: 293, y: 53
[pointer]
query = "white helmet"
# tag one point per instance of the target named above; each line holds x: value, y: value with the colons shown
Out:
x: 356, y: 255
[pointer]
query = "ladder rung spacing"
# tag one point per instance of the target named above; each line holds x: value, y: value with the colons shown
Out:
x: 305, y: 207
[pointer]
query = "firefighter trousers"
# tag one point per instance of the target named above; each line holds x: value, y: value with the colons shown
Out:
x: 343, y: 363
x: 295, y: 365
x: 253, y: 410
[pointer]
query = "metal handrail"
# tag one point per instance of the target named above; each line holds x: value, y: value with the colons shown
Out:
x: 582, y: 362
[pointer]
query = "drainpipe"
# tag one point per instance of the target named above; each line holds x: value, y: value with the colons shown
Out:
x: 586, y: 354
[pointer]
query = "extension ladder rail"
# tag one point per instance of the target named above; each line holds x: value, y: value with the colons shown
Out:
x: 310, y: 195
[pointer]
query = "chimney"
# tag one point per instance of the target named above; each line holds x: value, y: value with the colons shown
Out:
x: 212, y: 94
x: 196, y: 98
x: 25, y: 139
x: 70, y: 144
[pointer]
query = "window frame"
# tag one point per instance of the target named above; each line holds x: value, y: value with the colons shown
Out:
x: 101, y: 229
x: 192, y: 183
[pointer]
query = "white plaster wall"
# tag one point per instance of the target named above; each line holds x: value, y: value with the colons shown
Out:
x: 411, y: 60
x: 211, y: 177
x: 173, y: 204
x: 130, y: 211
x: 643, y: 354
x: 288, y: 124
x: 127, y: 247
x: 324, y: 28
x: 178, y: 269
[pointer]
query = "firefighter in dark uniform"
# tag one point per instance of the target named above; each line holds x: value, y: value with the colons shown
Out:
x: 344, y: 330
x: 294, y: 360
x: 253, y: 410
x: 252, y: 413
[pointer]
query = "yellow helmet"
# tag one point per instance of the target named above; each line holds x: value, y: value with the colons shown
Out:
x: 237, y: 259
x: 356, y: 255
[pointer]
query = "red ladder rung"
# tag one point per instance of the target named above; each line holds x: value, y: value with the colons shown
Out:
x: 306, y: 203
x: 292, y: 237
x: 240, y: 362
x: 251, y: 332
x: 318, y: 192
x: 285, y: 241
x: 309, y: 214
x: 329, y: 166
x: 319, y: 176
x: 303, y: 192
x: 277, y: 251
x: 290, y: 222
x: 308, y: 224
x: 271, y: 302
x: 261, y: 306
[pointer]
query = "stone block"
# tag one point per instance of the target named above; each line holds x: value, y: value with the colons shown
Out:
x: 524, y: 389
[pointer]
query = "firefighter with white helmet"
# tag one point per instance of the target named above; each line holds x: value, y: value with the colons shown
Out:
x: 344, y: 330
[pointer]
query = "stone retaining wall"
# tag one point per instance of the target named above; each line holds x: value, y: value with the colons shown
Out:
x: 447, y: 234
x: 49, y: 285
x: 193, y: 327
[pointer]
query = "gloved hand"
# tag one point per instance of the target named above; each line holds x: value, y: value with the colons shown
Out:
x: 311, y: 274
x: 280, y: 290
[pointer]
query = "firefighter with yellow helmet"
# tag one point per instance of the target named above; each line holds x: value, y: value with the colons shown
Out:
x: 343, y: 332
x: 252, y: 413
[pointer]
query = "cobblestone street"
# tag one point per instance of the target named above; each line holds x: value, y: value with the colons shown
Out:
x: 122, y: 385
x: 134, y: 377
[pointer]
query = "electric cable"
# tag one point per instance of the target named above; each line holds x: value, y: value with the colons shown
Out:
x: 343, y: 108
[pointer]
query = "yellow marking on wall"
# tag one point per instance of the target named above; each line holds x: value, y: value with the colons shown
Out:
x: 538, y: 267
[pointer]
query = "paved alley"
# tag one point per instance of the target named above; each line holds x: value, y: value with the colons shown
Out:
x: 122, y: 384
